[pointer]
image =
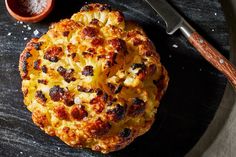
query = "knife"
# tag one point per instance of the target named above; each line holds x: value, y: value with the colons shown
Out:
x: 174, y: 21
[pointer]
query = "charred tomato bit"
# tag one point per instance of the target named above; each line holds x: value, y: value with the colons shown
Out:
x: 52, y: 59
x: 39, y: 118
x: 83, y: 89
x: 28, y: 54
x: 79, y: 112
x: 98, y: 104
x: 45, y: 82
x: 116, y: 113
x: 92, y: 50
x: 118, y: 44
x: 66, y: 33
x: 97, y: 42
x: 137, y: 41
x: 66, y: 74
x: 94, y: 22
x: 88, y: 70
x: 40, y: 96
x: 105, y: 97
x: 37, y: 64
x: 89, y: 32
x: 87, y: 54
x: 99, y: 92
x: 44, y: 69
x: 38, y: 45
x: 125, y: 133
x: 61, y: 70
x: 108, y: 64
x: 61, y: 112
x: 24, y: 66
x: 73, y: 55
x: 147, y: 52
x: 132, y: 34
x: 101, y: 56
x: 56, y: 93
x: 137, y: 107
x: 71, y: 48
x: 111, y: 100
x: 99, y: 128
x: 53, y: 53
x: 68, y: 99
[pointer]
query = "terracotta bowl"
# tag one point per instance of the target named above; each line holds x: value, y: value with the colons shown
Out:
x: 15, y: 10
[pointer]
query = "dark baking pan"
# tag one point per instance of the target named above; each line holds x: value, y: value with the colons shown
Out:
x: 194, y: 94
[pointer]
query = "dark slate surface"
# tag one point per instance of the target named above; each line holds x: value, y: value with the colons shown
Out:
x: 193, y: 96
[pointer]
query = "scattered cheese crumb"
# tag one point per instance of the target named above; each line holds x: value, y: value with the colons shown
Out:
x: 77, y: 100
x: 29, y: 28
x: 58, y: 148
x: 21, y: 22
x: 215, y: 14
x: 213, y: 30
x: 25, y: 38
x: 175, y: 46
x: 36, y: 32
x: 21, y: 152
x: 22, y: 31
x: 9, y: 34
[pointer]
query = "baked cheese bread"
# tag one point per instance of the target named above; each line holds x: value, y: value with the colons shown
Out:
x: 95, y: 80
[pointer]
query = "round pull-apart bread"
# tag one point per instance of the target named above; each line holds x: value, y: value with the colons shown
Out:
x: 94, y: 80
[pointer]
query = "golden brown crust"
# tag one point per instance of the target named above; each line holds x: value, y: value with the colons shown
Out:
x: 93, y: 80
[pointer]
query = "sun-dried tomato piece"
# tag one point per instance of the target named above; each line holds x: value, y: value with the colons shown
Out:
x: 78, y: 112
x: 88, y: 70
x: 37, y: 64
x: 98, y: 128
x: 137, y: 107
x: 61, y: 112
x: 89, y: 32
x: 40, y: 97
x: 53, y: 54
x: 116, y: 113
x: 56, y: 93
x: 44, y: 69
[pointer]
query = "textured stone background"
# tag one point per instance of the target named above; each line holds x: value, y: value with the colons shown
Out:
x: 194, y: 94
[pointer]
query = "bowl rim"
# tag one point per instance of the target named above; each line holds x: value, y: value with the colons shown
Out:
x: 35, y: 18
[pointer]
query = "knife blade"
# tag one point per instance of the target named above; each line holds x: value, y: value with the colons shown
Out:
x: 172, y: 18
x: 174, y: 21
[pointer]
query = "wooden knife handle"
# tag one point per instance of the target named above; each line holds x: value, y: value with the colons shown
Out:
x: 214, y: 57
